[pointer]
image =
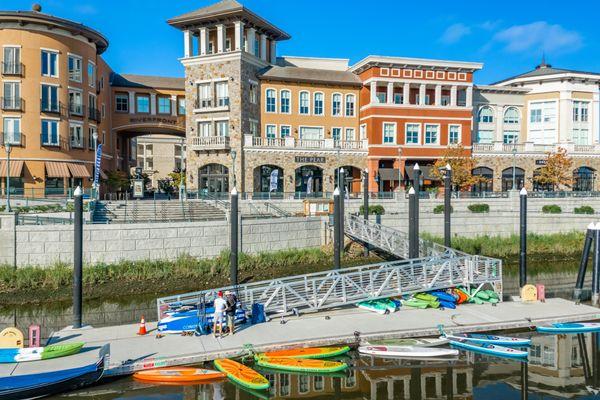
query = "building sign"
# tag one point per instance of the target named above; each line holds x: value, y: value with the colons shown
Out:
x: 138, y: 188
x: 541, y: 162
x: 154, y: 120
x: 310, y: 160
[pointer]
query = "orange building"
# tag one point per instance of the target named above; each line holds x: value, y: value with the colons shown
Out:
x: 412, y: 110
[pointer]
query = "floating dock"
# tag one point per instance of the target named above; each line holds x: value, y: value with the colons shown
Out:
x: 130, y: 352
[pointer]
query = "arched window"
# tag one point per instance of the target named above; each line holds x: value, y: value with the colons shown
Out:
x: 271, y: 101
x: 538, y: 186
x: 304, y: 103
x: 507, y: 179
x: 318, y: 103
x: 511, y: 115
x: 584, y: 179
x: 285, y: 101
x: 486, y: 115
x: 350, y: 100
x: 487, y: 183
x: 336, y: 105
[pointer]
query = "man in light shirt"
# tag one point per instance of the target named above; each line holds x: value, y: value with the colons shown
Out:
x: 219, y: 314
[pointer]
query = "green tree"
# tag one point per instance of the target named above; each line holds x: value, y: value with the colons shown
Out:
x: 117, y: 181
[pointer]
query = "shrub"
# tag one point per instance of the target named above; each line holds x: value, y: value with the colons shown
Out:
x: 584, y: 210
x: 376, y: 209
x: 439, y: 209
x: 479, y: 208
x: 551, y: 209
x: 2, y: 208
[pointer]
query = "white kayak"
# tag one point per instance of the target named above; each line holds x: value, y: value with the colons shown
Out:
x: 406, y: 351
x: 492, y: 339
x: 420, y: 342
x: 488, y: 348
x: 576, y: 327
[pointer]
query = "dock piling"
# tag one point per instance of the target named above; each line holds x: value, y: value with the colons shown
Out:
x: 417, y: 186
x: 447, y: 205
x: 523, y: 237
x: 233, y: 236
x: 524, y: 381
x: 78, y: 259
x: 596, y: 266
x: 366, y: 203
x: 587, y: 246
x: 411, y: 222
x: 336, y: 229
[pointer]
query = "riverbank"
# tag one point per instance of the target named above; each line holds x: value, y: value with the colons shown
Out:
x: 31, y: 285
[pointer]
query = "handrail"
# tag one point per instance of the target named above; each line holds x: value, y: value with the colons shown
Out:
x: 279, y: 211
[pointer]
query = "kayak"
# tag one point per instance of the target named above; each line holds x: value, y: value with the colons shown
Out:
x: 462, y: 296
x: 241, y: 374
x: 189, y: 320
x: 431, y: 301
x: 39, y: 353
x: 300, y: 364
x: 443, y: 296
x: 421, y: 342
x: 179, y: 375
x: 406, y: 351
x: 415, y: 303
x: 448, y: 304
x: 575, y: 327
x: 492, y: 339
x: 488, y: 348
x: 308, y: 352
x: 390, y: 305
x: 374, y: 306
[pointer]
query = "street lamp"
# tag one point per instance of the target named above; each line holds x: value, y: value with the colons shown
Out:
x: 95, y: 186
x: 8, y: 148
x: 514, y: 168
x: 182, y: 172
x: 233, y: 157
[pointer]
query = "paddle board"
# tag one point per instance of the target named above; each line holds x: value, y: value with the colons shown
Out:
x: 179, y: 375
x: 39, y: 353
x: 374, y: 306
x: 406, y: 351
x: 308, y: 352
x: 241, y: 374
x: 488, y: 348
x: 574, y: 327
x: 493, y: 339
x: 421, y: 342
x: 301, y: 364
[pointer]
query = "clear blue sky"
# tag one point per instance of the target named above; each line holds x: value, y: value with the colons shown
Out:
x: 508, y: 36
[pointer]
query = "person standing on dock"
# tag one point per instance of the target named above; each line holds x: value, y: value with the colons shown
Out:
x: 231, y: 310
x: 220, y: 305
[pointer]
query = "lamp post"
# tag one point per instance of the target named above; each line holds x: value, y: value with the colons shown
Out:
x: 8, y: 149
x: 95, y: 138
x: 182, y: 172
x: 233, y: 157
x: 514, y: 152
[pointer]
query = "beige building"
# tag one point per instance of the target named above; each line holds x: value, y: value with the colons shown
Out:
x: 159, y: 155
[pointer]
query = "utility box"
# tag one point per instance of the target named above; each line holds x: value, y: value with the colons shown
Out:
x: 541, y: 292
x: 318, y: 207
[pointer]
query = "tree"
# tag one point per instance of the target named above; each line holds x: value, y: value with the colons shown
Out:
x: 462, y: 165
x: 558, y: 171
x: 117, y: 181
x: 177, y: 176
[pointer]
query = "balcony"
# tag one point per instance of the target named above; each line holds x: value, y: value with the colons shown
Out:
x: 76, y: 110
x: 13, y: 138
x: 534, y: 148
x: 12, y: 103
x: 210, y: 105
x: 94, y: 114
x: 13, y: 69
x: 210, y: 143
x: 50, y: 107
x: 307, y: 144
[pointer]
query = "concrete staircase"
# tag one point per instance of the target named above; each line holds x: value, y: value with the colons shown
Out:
x: 139, y: 211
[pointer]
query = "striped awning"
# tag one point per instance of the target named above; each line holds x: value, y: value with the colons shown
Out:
x: 16, y: 168
x: 79, y: 170
x: 57, y: 170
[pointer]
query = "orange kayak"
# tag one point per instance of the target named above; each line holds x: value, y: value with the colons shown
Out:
x: 179, y: 375
x: 301, y: 365
x: 308, y: 352
x: 462, y: 296
x: 241, y: 374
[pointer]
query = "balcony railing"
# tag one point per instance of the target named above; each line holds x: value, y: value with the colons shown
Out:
x: 530, y: 147
x: 13, y: 69
x: 50, y: 107
x: 48, y: 142
x: 316, y: 144
x: 210, y: 143
x: 76, y: 109
x: 12, y: 103
x: 94, y: 114
x: 77, y: 143
x: 209, y: 104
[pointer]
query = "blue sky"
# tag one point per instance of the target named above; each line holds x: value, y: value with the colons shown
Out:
x: 508, y: 36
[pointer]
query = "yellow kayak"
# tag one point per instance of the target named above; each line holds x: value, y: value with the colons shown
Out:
x: 300, y: 364
x: 307, y: 352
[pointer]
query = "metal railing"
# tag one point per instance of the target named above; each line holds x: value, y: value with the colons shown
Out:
x: 51, y: 107
x: 13, y: 68
x: 42, y: 220
x: 76, y: 109
x: 12, y: 103
x: 277, y: 210
x: 12, y: 138
x: 94, y: 114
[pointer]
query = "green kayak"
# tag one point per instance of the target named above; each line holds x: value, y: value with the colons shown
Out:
x: 415, y: 303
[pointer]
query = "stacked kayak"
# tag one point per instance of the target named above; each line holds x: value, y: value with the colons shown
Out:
x: 407, y: 351
x: 180, y: 375
x: 300, y: 364
x: 576, y: 327
x: 481, y: 296
x: 381, y: 306
x: 190, y: 320
x: 242, y: 375
x: 488, y: 348
x: 308, y: 352
x: 13, y: 355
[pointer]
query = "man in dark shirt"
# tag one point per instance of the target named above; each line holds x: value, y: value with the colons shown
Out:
x: 230, y: 310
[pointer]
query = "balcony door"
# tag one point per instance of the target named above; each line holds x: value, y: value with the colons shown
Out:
x: 12, y: 96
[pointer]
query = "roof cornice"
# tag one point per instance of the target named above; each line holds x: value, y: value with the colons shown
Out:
x: 370, y: 61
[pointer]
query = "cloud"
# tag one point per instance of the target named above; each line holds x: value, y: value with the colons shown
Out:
x: 537, y: 37
x: 454, y: 33
x: 489, y: 25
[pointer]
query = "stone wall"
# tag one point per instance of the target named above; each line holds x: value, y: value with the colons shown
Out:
x: 44, y: 245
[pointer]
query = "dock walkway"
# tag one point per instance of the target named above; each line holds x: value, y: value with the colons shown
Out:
x: 130, y: 352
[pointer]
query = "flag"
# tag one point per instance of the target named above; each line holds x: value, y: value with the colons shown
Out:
x: 274, y: 180
x: 97, y: 164
x: 309, y: 183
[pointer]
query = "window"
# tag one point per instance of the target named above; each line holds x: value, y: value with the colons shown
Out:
x: 535, y: 116
x: 181, y: 105
x: 164, y: 105
x: 511, y: 116
x: 350, y: 105
x: 350, y: 135
x: 253, y: 92
x: 271, y: 131
x: 418, y: 99
x: 381, y: 97
x: 285, y: 102
x: 93, y: 112
x: 336, y: 133
x: 12, y: 61
x: 75, y: 102
x: 413, y: 132
x: 445, y: 100
x: 211, y: 48
x: 304, y: 103
x: 179, y: 156
x: 143, y: 103
x: 91, y: 70
x: 271, y: 101
x: 222, y: 128
x: 103, y: 110
x: 222, y: 94
x: 431, y: 134
x: 543, y: 128
x: 510, y: 137
x: 256, y: 46
x: 204, y: 128
x: 336, y: 105
x: 145, y: 159
x: 76, y: 135
x: 227, y: 44
x: 484, y: 136
x: 204, y: 95
x: 50, y: 98
x: 254, y: 128
x: 311, y: 133
x: 486, y: 115
x: 398, y: 98
x: 75, y: 68
x: 454, y: 134
x: 580, y: 111
x: 12, y: 96
x: 285, y: 131
x: 92, y: 131
x: 50, y: 132
x: 580, y: 136
x: 11, y: 127
x: 122, y: 102
x: 389, y: 133
x: 50, y: 63
x: 318, y: 103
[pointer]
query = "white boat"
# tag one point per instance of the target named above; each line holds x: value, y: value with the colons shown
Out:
x: 420, y: 342
x: 406, y: 351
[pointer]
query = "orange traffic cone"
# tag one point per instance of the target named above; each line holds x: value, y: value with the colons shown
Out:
x: 142, y: 330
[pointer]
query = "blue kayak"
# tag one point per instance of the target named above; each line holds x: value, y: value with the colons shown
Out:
x: 574, y: 327
x: 443, y: 296
x: 487, y: 348
x: 447, y: 304
x: 190, y: 321
x: 490, y: 339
